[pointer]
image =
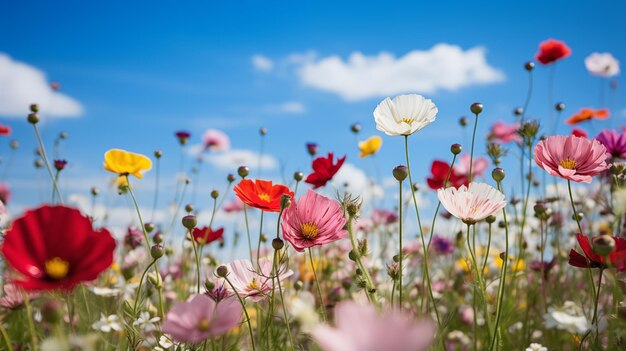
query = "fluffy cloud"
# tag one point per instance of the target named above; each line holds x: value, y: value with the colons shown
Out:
x: 231, y: 160
x: 262, y: 63
x: 443, y: 67
x: 354, y: 180
x: 23, y: 84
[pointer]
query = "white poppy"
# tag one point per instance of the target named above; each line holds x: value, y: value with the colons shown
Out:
x: 602, y: 64
x: 405, y: 114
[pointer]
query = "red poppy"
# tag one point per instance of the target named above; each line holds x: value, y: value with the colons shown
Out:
x: 56, y: 247
x: 551, y: 51
x: 324, y: 170
x: 586, y: 114
x: 439, y: 170
x: 261, y: 194
x: 5, y: 130
x: 207, y: 235
x: 580, y: 133
x: 617, y: 258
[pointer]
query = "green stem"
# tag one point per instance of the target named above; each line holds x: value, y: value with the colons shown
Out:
x: 6, y: 338
x: 502, y: 276
x: 471, y: 166
x: 195, y: 253
x: 31, y: 324
x: 258, y: 247
x: 245, y: 214
x: 401, y: 272
x: 317, y: 283
x: 244, y: 311
x: 282, y: 299
x: 432, y: 226
x: 479, y: 281
x: 580, y: 229
x: 156, y: 187
x: 488, y: 248
x: 369, y: 288
x: 45, y: 160
x: 141, y: 280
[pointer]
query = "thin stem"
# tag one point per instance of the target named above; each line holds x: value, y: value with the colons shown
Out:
x: 317, y: 283
x: 156, y: 187
x: 432, y: 226
x: 502, y: 277
x: 528, y: 95
x: 479, y: 281
x: 488, y: 248
x: 8, y: 166
x: 244, y: 311
x: 258, y: 247
x: 45, y: 160
x: 6, y: 338
x: 369, y: 288
x: 282, y: 299
x: 471, y: 175
x: 141, y: 280
x: 401, y: 272
x: 245, y: 214
x: 31, y: 324
x: 195, y: 253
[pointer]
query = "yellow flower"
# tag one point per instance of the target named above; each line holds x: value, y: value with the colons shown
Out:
x: 517, y: 265
x: 370, y: 146
x: 124, y: 163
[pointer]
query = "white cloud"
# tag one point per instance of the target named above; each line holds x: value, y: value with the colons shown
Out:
x: 23, y: 84
x: 262, y: 63
x: 443, y: 67
x: 231, y: 160
x: 354, y: 180
x: 289, y: 107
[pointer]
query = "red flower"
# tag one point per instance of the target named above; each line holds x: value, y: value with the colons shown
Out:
x: 551, y: 51
x: 183, y: 136
x: 580, y: 133
x: 324, y: 170
x: 592, y: 260
x: 55, y: 247
x: 207, y: 235
x: 5, y: 130
x: 261, y: 194
x: 59, y: 164
x: 439, y: 170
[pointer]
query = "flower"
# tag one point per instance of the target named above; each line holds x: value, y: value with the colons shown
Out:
x: 383, y: 217
x: 503, y: 133
x: 592, y: 260
x: 261, y: 194
x: 314, y: 220
x: 551, y: 51
x: 323, y: 170
x: 59, y: 164
x: 614, y: 142
x: 370, y: 146
x: 361, y: 328
x: 439, y: 171
x: 570, y: 317
x: 183, y: 136
x: 579, y: 133
x: 248, y: 284
x: 133, y: 237
x: 13, y: 297
x: 55, y: 247
x: 478, y: 168
x: 442, y: 245
x: 145, y: 322
x: 536, y: 347
x: 215, y: 140
x: 5, y: 193
x: 235, y: 205
x: 207, y: 235
x: 312, y: 148
x: 571, y: 157
x: 404, y: 115
x: 602, y: 64
x: 586, y: 114
x: 107, y: 323
x: 5, y: 130
x: 123, y: 162
x: 472, y: 204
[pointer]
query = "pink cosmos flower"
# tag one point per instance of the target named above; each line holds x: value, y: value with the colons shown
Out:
x: 478, y: 169
x: 472, y: 204
x: 200, y: 318
x: 215, y: 140
x: 614, y: 142
x: 248, y: 283
x: 314, y: 220
x: 384, y: 217
x: 570, y: 157
x: 503, y: 133
x: 361, y: 328
x: 234, y: 205
x: 14, y: 297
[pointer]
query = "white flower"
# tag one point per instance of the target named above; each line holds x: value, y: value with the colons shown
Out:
x: 570, y: 317
x: 404, y: 115
x: 602, y: 64
x: 107, y: 323
x: 536, y: 347
x: 145, y: 322
x: 87, y: 342
x: 472, y: 204
x: 301, y: 308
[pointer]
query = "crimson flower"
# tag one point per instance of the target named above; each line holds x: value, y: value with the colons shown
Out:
x: 580, y: 133
x: 207, y: 235
x: 551, y: 51
x: 60, y: 164
x: 5, y: 130
x: 55, y: 247
x: 261, y: 194
x: 592, y: 260
x: 183, y: 136
x: 439, y: 170
x: 324, y: 169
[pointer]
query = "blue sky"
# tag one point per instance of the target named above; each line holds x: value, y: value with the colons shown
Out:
x: 141, y: 71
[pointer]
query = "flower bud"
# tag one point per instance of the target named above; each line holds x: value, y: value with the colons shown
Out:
x: 352, y: 255
x: 298, y: 285
x: 400, y: 172
x: 263, y: 238
x: 33, y: 118
x: 463, y: 121
x: 190, y: 222
x: 263, y: 131
x: 355, y: 128
x: 149, y: 227
x: 59, y: 164
x: 456, y: 149
x: 560, y: 106
x: 215, y: 194
x: 529, y: 66
x: 278, y: 244
x: 243, y: 171
x: 188, y: 208
x: 158, y: 238
x: 311, y: 148
x: 222, y: 271
x: 298, y: 176
x: 38, y: 163
x: 230, y: 178
x: 285, y: 201
x: 577, y: 216
x: 476, y: 108
x: 34, y: 108
x: 498, y: 174
x: 490, y: 219
x: 209, y: 285
x: 95, y: 191
x: 156, y: 251
x: 603, y: 245
x: 52, y: 311
x: 14, y: 144
x: 155, y: 279
x: 518, y: 111
x: 63, y: 135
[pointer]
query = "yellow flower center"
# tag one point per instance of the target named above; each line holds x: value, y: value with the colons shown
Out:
x: 203, y: 325
x: 265, y: 197
x: 253, y: 285
x: 309, y: 230
x: 407, y: 120
x: 568, y: 163
x: 56, y: 268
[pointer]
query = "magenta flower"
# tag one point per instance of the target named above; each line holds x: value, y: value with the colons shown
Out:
x: 215, y: 140
x: 614, y: 142
x: 570, y: 157
x: 250, y: 284
x: 503, y: 133
x: 361, y: 328
x: 314, y: 220
x: 200, y: 318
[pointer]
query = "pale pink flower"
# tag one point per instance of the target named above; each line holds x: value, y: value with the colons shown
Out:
x: 503, y: 133
x: 478, y: 169
x: 571, y: 157
x: 384, y: 217
x: 472, y: 204
x: 250, y: 284
x: 314, y: 220
x: 200, y: 318
x: 361, y: 328
x: 234, y: 205
x: 14, y: 297
x: 215, y: 140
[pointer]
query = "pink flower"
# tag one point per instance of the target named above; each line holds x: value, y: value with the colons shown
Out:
x: 361, y: 328
x: 472, y: 204
x: 215, y: 140
x: 250, y: 284
x: 478, y: 169
x: 384, y: 217
x: 200, y: 318
x: 14, y: 297
x: 234, y: 205
x: 570, y: 157
x: 5, y: 193
x: 503, y: 133
x: 314, y: 220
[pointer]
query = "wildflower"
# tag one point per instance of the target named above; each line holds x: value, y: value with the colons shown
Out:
x: 5, y: 130
x: 124, y: 163
x: 324, y: 169
x: 472, y: 204
x: 59, y: 165
x: 439, y: 171
x: 215, y: 140
x: 13, y: 297
x: 518, y: 265
x: 404, y: 115
x: 200, y: 318
x: 602, y: 64
x: 261, y: 194
x: 5, y: 193
x: 551, y: 51
x: 370, y: 146
x: 571, y: 157
x: 503, y: 133
x: 55, y: 247
x: 235, y: 205
x: 183, y: 136
x: 314, y: 220
x: 312, y: 148
x: 614, y: 142
x: 586, y: 114
x: 252, y: 285
x: 133, y: 238
x: 580, y: 133
x: 384, y: 217
x: 442, y: 245
x: 536, y: 347
x: 570, y: 317
x: 87, y: 342
x: 391, y: 330
x: 145, y: 322
x: 479, y: 165
x: 106, y: 324
x: 218, y: 291
x: 206, y: 235
x: 591, y: 259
